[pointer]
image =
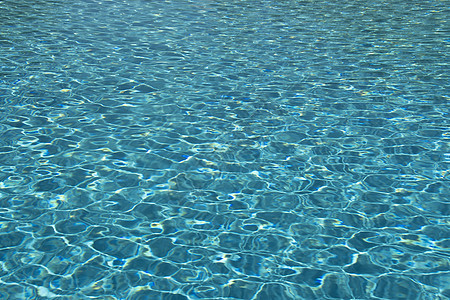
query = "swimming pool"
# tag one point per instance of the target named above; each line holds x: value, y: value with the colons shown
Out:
x: 224, y: 149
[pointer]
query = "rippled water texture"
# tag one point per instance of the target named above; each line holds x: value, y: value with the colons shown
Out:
x: 224, y: 149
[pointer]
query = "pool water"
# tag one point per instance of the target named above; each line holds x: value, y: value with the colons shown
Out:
x: 250, y: 149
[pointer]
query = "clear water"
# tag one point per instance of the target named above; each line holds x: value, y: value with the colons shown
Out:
x: 224, y: 149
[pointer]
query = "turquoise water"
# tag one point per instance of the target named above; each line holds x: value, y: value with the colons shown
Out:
x: 224, y: 149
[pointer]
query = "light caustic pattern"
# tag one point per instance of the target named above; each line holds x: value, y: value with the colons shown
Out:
x: 235, y: 150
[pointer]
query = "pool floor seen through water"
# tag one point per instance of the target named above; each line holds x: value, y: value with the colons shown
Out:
x: 253, y: 149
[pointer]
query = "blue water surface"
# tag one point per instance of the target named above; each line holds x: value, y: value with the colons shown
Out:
x: 239, y: 149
